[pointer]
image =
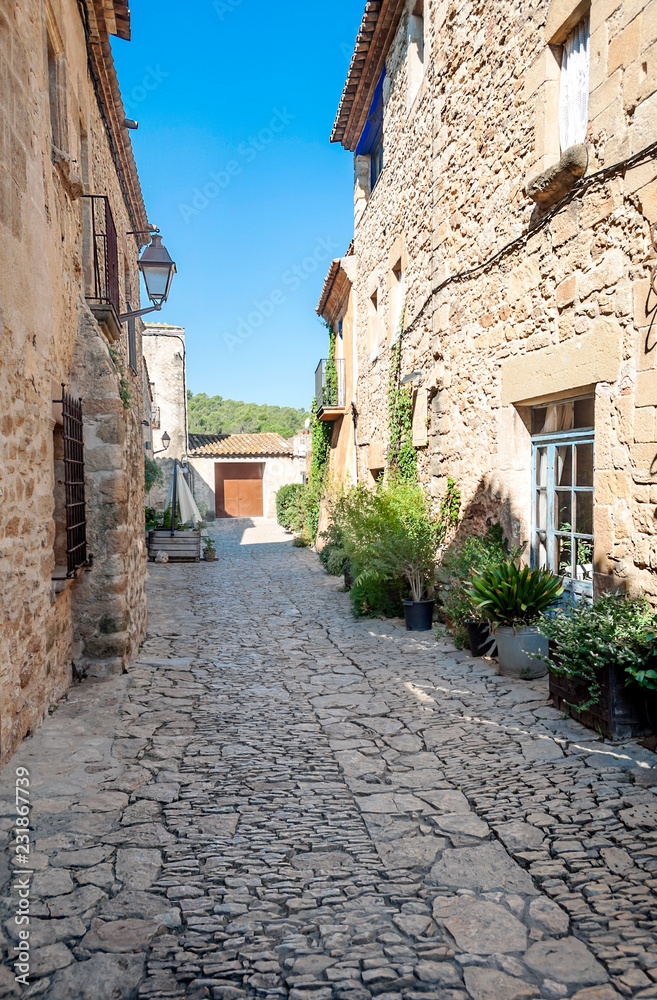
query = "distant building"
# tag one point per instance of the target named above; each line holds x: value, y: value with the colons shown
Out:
x: 238, y: 475
x: 230, y: 475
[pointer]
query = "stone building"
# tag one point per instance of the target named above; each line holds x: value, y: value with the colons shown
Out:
x: 505, y: 186
x: 238, y: 475
x: 165, y: 353
x: 336, y: 377
x: 70, y: 206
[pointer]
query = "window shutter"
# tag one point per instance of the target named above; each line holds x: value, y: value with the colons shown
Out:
x: 574, y: 87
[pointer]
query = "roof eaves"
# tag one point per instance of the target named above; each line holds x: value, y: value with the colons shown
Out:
x: 377, y: 30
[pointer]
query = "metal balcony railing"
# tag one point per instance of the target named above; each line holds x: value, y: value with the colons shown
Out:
x: 104, y: 288
x: 329, y: 383
x: 155, y: 417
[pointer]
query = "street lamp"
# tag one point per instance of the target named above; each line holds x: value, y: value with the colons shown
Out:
x: 166, y: 441
x: 158, y: 270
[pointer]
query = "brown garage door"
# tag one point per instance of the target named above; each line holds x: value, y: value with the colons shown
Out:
x: 238, y: 489
x: 243, y: 497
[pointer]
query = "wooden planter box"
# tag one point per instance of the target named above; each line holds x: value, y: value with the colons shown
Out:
x: 623, y: 711
x: 182, y: 546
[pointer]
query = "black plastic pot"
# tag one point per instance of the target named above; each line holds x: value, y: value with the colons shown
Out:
x: 482, y: 641
x: 418, y: 615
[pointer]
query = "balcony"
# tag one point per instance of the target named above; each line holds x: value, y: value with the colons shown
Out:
x: 329, y: 389
x: 103, y: 295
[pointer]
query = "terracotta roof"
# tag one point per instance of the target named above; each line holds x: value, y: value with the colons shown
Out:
x: 377, y: 30
x: 225, y: 445
x: 328, y: 285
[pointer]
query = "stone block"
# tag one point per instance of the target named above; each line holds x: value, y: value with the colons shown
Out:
x: 566, y: 291
x: 649, y: 24
x: 644, y: 424
x: 646, y: 388
x: 625, y: 47
x: 644, y: 130
x: 610, y: 270
x: 605, y: 95
x: 601, y: 11
x: 523, y: 279
x: 640, y: 79
x: 598, y: 57
x: 566, y: 223
x: 545, y: 68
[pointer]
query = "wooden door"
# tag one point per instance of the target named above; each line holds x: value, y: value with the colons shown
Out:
x: 243, y: 497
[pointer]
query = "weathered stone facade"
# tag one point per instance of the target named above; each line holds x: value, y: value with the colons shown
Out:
x: 494, y: 326
x: 165, y: 353
x: 63, y: 140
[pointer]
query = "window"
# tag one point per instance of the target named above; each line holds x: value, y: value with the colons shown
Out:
x: 56, y: 97
x: 373, y: 324
x: 415, y: 63
x: 562, y: 502
x: 371, y: 140
x: 397, y: 299
x: 70, y: 508
x: 574, y: 87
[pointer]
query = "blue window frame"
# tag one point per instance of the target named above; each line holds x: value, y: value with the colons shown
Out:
x: 371, y: 140
x: 562, y: 491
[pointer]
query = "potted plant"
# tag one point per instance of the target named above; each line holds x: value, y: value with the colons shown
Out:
x: 461, y: 614
x: 513, y: 598
x: 603, y: 664
x: 405, y: 545
x: 209, y: 549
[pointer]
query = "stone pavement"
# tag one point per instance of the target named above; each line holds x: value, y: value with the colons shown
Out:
x: 280, y: 801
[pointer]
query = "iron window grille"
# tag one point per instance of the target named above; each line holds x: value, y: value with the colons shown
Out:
x: 76, y: 512
x: 105, y: 264
x: 562, y: 493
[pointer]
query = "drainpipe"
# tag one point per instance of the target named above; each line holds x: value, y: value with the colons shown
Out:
x: 174, y: 500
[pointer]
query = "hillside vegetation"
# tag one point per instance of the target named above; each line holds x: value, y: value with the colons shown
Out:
x: 216, y: 415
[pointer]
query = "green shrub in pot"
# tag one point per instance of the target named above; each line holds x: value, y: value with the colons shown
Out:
x: 459, y: 562
x: 513, y: 597
x: 612, y: 632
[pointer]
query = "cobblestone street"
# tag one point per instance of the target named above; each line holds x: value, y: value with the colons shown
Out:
x: 279, y: 800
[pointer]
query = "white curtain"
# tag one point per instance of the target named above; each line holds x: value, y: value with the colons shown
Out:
x: 184, y: 499
x: 574, y: 87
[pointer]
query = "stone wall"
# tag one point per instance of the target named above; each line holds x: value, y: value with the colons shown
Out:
x: 49, y: 336
x: 565, y: 310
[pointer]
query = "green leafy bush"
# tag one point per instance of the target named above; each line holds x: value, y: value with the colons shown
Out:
x: 291, y: 501
x: 153, y: 518
x: 507, y: 594
x: 391, y: 537
x: 612, y: 631
x: 472, y: 555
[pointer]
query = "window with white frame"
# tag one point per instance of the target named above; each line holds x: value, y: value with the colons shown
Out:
x: 562, y: 494
x: 415, y: 65
x: 574, y: 86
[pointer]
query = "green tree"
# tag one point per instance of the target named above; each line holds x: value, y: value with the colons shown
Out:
x: 216, y: 415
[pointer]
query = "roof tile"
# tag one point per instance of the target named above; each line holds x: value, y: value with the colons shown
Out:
x: 230, y: 445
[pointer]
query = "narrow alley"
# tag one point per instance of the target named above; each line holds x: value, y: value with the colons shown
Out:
x: 280, y: 801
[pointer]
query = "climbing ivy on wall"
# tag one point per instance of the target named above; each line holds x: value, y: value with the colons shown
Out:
x: 330, y: 388
x: 402, y: 457
x: 321, y: 432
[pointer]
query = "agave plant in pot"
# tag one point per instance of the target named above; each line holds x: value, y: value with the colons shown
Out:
x: 512, y: 598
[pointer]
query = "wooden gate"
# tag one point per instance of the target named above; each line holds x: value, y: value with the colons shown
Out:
x: 243, y: 497
x: 238, y: 489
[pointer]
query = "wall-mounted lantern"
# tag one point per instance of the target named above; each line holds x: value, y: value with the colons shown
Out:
x: 158, y: 270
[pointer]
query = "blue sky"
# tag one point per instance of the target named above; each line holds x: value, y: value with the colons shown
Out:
x: 235, y: 102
